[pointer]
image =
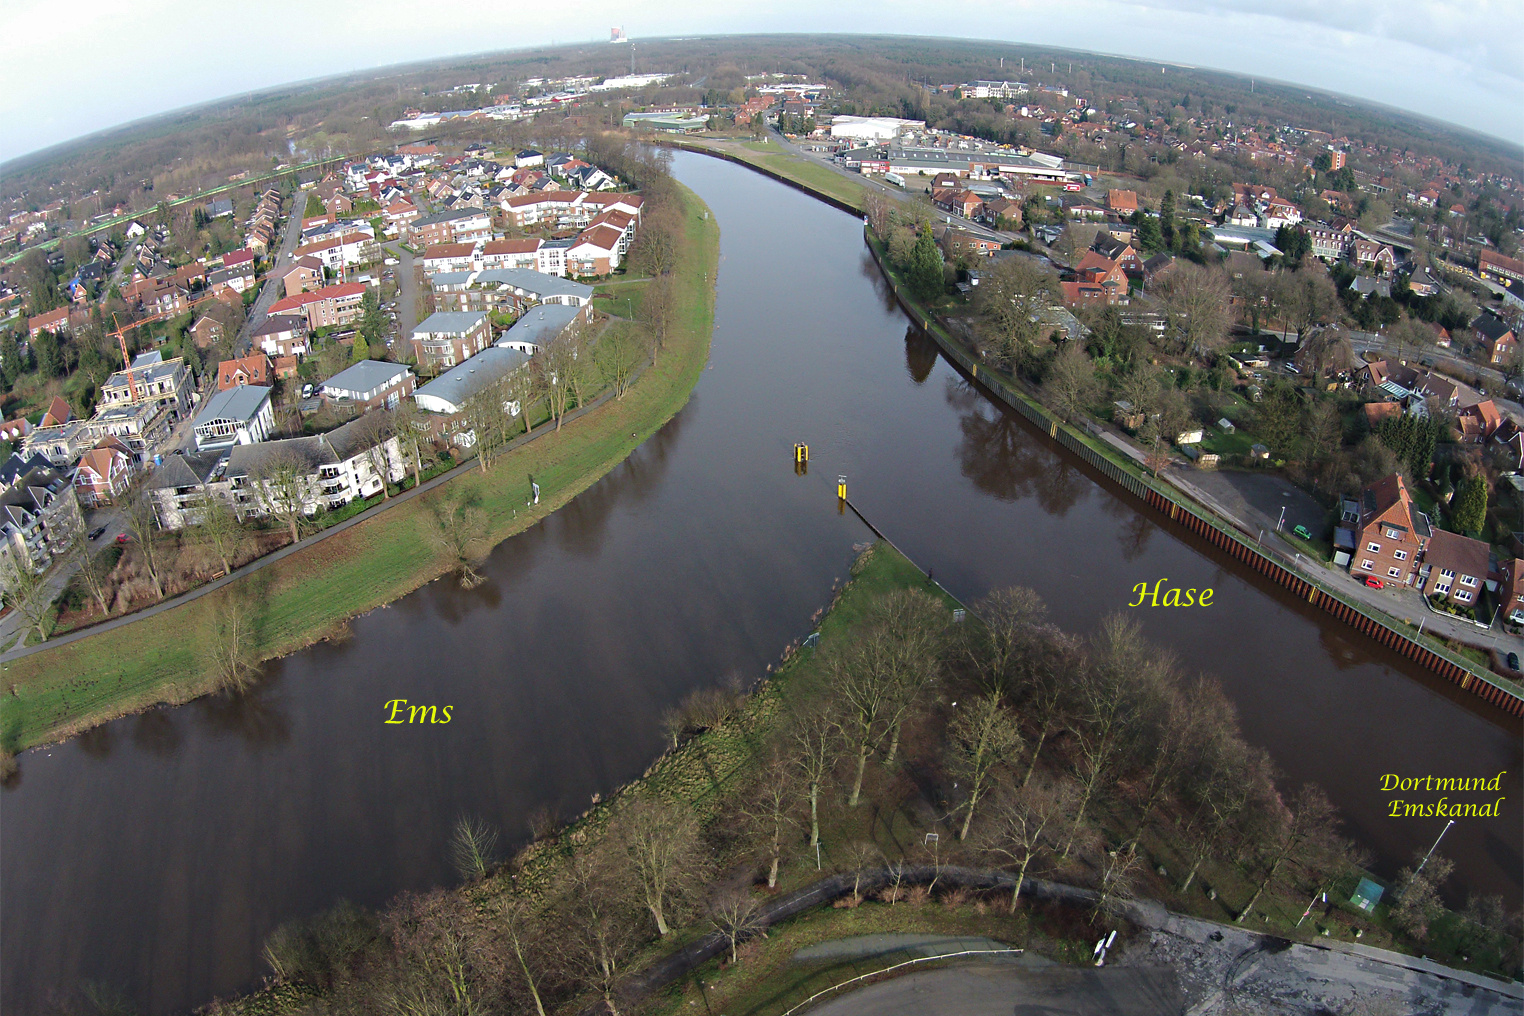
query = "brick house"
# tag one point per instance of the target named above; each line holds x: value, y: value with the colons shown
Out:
x: 960, y: 202
x: 205, y: 332
x: 103, y: 474
x: 304, y: 275
x: 1511, y: 590
x: 1495, y: 335
x: 1391, y: 534
x: 1454, y: 567
x: 331, y: 305
x: 368, y: 385
x: 253, y: 369
x: 1123, y: 202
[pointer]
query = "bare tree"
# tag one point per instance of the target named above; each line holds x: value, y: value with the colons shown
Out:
x: 1419, y: 901
x: 982, y: 737
x: 230, y: 641
x: 1070, y: 384
x: 734, y: 913
x: 597, y: 919
x: 410, y: 424
x: 556, y: 364
x: 516, y: 917
x: 1174, y: 737
x: 1116, y: 874
x: 658, y: 309
x: 1226, y: 787
x: 772, y: 806
x: 816, y: 749
x: 1009, y: 299
x: 664, y: 852
x: 486, y: 415
x: 25, y: 592
x: 459, y: 527
x: 1307, y: 299
x: 1197, y: 302
x: 473, y: 847
x: 1026, y: 819
x: 1108, y: 699
x: 618, y: 357
x: 868, y: 696
x: 219, y: 526
x: 375, y: 428
x: 143, y: 526
x: 1001, y: 640
x: 284, y: 485
x: 1305, y: 834
x: 93, y: 572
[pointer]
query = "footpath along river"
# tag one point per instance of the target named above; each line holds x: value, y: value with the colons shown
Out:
x: 154, y: 854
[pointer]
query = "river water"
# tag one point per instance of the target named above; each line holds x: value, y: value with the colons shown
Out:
x: 154, y: 854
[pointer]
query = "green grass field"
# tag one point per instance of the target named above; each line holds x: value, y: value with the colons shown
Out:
x: 308, y: 596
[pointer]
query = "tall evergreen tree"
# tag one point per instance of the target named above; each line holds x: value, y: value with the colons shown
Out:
x: 924, y: 273
x: 1468, y: 510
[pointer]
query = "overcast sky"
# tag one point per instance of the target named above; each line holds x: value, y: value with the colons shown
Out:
x: 68, y: 70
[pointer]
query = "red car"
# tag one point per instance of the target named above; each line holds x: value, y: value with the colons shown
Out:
x: 123, y: 538
x: 1374, y: 582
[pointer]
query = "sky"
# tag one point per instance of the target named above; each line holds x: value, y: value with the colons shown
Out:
x: 67, y: 71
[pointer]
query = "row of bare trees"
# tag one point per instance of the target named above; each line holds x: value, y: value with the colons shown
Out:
x: 1090, y: 760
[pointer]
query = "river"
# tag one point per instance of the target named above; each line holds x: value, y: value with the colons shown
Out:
x: 154, y: 854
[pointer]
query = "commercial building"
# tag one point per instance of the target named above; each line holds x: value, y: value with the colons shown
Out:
x: 873, y: 128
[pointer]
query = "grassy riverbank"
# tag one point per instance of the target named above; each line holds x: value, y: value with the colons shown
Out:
x: 309, y: 595
x: 809, y: 174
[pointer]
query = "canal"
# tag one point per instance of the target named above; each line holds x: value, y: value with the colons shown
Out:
x: 154, y: 854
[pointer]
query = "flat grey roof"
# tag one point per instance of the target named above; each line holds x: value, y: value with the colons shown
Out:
x: 464, y: 380
x: 540, y: 325
x: 238, y: 403
x: 365, y: 376
x: 451, y: 321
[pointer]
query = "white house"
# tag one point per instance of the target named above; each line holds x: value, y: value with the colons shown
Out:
x: 235, y: 416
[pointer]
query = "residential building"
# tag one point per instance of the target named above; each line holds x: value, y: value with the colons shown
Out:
x: 1511, y: 590
x: 205, y: 332
x: 369, y: 384
x: 1119, y: 251
x: 541, y: 325
x: 595, y: 252
x: 341, y: 465
x: 61, y: 444
x: 282, y: 335
x: 304, y: 275
x: 337, y: 252
x: 1495, y: 335
x: 138, y: 427
x: 253, y: 369
x: 454, y: 226
x: 39, y: 519
x: 325, y: 307
x: 960, y: 202
x: 235, y: 416
x: 1390, y: 533
x: 151, y: 378
x: 1454, y: 567
x: 1478, y: 421
x: 1123, y: 202
x: 449, y: 392
x: 55, y: 321
x: 506, y: 289
x: 104, y: 473
x: 15, y: 430
x: 446, y: 338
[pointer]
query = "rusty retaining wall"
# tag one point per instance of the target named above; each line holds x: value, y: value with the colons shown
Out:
x: 1222, y: 536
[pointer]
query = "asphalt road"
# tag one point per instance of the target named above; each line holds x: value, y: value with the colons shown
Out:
x: 271, y: 290
x: 1011, y: 988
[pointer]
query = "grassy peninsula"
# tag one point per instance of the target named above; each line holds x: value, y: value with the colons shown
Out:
x: 52, y: 694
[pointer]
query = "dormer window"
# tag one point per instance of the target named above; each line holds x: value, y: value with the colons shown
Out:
x: 1392, y: 534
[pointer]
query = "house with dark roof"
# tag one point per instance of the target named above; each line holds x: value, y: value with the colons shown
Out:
x: 1455, y: 568
x: 1495, y: 335
x: 39, y: 519
x: 369, y: 384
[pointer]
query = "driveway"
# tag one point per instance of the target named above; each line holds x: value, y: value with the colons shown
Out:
x: 271, y: 289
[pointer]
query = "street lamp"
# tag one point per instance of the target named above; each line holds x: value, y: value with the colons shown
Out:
x: 1281, y: 523
x: 1433, y: 848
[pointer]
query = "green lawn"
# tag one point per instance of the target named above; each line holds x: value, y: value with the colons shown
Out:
x: 58, y: 692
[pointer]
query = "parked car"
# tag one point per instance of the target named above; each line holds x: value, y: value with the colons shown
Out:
x: 1302, y: 532
x: 1374, y: 582
x: 1291, y: 368
x: 306, y: 391
x: 1513, y: 661
x: 95, y: 534
x: 123, y: 538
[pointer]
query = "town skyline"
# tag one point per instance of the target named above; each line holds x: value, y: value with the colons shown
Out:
x: 1465, y: 67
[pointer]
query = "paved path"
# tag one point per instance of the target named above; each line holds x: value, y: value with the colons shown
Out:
x: 985, y: 988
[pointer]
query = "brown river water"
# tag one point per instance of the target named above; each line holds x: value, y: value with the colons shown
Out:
x: 154, y: 854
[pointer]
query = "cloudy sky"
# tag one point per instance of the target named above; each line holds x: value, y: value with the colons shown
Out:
x: 70, y: 70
